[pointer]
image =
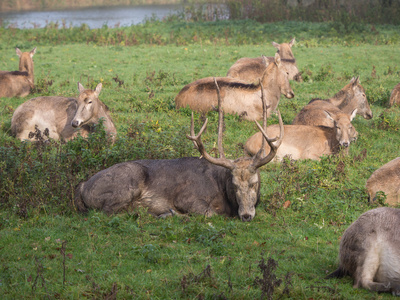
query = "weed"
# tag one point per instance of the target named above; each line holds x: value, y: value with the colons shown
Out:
x: 269, y: 282
x: 325, y: 73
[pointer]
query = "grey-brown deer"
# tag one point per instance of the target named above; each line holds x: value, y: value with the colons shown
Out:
x: 385, y: 179
x: 61, y: 117
x: 239, y: 97
x: 250, y: 69
x: 351, y: 97
x: 19, y: 83
x: 370, y: 251
x: 309, y: 142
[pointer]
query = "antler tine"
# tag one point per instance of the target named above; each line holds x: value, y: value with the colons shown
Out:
x: 196, y: 139
x: 192, y: 131
x: 221, y: 161
x: 220, y: 122
x: 258, y: 159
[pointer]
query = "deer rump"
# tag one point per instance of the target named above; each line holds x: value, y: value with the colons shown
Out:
x: 370, y: 251
x: 164, y: 187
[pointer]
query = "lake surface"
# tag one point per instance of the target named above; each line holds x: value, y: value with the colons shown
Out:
x: 93, y: 17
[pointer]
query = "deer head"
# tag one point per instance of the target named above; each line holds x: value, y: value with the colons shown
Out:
x: 244, y: 170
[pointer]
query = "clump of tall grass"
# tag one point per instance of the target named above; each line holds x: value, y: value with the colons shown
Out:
x: 42, y: 176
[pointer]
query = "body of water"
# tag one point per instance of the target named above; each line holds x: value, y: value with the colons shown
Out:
x: 93, y: 17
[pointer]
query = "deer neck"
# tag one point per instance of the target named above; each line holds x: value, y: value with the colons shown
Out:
x: 108, y: 123
x: 343, y: 101
x: 272, y: 91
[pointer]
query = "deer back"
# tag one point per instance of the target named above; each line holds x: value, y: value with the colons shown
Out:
x: 251, y: 69
x: 299, y: 142
x: 387, y: 180
x: 369, y: 251
x: 351, y: 97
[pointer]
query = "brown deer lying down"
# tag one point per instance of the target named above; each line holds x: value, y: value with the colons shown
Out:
x: 204, y: 185
x: 370, y: 251
x: 395, y: 96
x: 387, y: 180
x: 308, y: 142
x: 239, y: 97
x: 18, y: 83
x: 250, y: 69
x: 351, y: 97
x: 61, y: 116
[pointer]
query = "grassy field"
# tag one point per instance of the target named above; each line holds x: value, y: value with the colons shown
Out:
x: 48, y: 250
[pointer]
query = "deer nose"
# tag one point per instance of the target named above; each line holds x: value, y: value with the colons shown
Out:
x: 75, y: 123
x: 345, y: 144
x: 369, y: 116
x: 289, y: 95
x: 246, y: 218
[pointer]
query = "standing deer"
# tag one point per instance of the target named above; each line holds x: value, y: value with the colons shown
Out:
x: 250, y: 69
x: 239, y: 97
x: 18, y: 83
x: 395, y: 96
x: 204, y: 185
x: 351, y: 97
x: 370, y: 251
x: 61, y: 116
x: 309, y: 142
x: 387, y: 180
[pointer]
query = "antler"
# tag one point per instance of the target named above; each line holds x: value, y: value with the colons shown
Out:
x: 221, y: 161
x: 259, y: 159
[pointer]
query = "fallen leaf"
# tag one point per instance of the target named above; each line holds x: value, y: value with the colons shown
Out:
x: 69, y: 255
x: 286, y: 204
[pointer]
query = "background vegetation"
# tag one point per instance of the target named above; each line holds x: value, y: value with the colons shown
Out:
x: 48, y: 250
x: 347, y: 14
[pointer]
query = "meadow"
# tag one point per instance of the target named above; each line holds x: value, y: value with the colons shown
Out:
x: 48, y: 250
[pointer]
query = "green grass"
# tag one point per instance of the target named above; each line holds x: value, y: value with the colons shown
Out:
x: 136, y: 255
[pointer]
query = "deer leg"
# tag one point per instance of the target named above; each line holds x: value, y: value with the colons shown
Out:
x: 369, y: 269
x: 395, y: 289
x: 194, y: 205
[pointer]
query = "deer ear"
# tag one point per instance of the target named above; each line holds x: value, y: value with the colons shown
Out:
x: 80, y: 88
x: 355, y: 80
x: 276, y: 45
x: 33, y: 51
x: 277, y: 59
x: 98, y: 89
x: 291, y: 43
x: 265, y: 60
x: 19, y: 53
x: 329, y: 116
x: 353, y: 114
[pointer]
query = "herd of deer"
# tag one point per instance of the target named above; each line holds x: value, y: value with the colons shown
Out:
x: 370, y: 247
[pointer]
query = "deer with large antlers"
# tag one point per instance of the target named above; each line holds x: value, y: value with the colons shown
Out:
x: 204, y: 185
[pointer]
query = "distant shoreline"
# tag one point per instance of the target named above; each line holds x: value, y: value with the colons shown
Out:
x: 48, y: 5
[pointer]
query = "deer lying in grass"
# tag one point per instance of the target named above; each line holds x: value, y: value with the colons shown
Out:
x: 250, y: 69
x: 60, y: 117
x: 204, y: 185
x: 239, y: 97
x: 18, y: 83
x: 309, y: 142
x: 351, y: 97
x: 387, y: 180
x: 370, y: 251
